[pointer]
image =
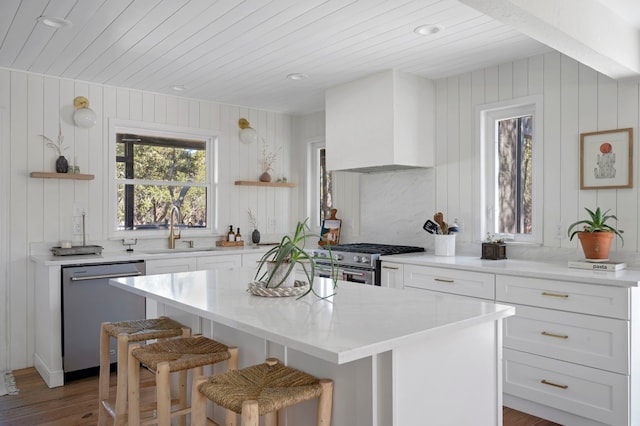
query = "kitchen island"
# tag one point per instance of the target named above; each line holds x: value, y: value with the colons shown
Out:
x: 396, y: 358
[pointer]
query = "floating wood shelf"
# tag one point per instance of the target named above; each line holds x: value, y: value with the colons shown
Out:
x: 256, y: 183
x: 49, y: 175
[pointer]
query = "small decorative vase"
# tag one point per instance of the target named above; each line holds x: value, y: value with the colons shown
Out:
x: 62, y: 165
x: 265, y: 177
x: 255, y: 236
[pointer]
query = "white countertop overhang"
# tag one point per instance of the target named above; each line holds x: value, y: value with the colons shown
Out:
x: 357, y: 322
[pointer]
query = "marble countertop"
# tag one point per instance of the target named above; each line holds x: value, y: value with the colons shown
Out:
x: 143, y: 254
x: 521, y: 268
x: 357, y: 322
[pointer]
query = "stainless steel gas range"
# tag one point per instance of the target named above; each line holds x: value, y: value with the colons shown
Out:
x: 358, y: 262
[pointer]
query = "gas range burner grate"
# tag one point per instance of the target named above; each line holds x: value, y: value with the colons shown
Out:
x: 372, y: 248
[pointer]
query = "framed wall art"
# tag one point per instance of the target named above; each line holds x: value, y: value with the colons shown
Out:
x: 606, y: 159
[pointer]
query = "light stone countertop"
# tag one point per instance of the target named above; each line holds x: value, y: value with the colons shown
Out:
x: 357, y: 322
x: 521, y: 268
x: 142, y: 254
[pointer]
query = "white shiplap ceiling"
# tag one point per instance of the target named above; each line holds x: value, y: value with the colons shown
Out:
x: 239, y: 52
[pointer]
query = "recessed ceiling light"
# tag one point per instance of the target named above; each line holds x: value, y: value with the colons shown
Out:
x: 297, y: 76
x: 179, y: 87
x: 54, y: 22
x: 428, y: 29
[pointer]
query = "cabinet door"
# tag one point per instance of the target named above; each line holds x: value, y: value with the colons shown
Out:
x: 578, y: 338
x: 214, y: 262
x: 166, y: 266
x: 463, y: 283
x: 250, y: 260
x: 391, y: 275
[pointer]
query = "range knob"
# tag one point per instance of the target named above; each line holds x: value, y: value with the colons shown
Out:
x: 339, y: 257
x: 356, y: 259
x: 364, y: 259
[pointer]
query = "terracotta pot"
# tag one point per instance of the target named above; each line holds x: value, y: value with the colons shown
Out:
x: 596, y: 245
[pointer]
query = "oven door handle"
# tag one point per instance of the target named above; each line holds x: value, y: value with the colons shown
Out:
x: 355, y: 274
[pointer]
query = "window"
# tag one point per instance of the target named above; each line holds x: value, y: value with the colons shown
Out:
x: 511, y: 170
x: 320, y: 187
x: 155, y: 170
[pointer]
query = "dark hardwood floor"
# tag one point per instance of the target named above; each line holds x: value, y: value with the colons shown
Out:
x: 77, y: 403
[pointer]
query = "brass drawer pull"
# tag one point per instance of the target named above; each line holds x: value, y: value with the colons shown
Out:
x: 442, y: 280
x: 390, y: 267
x: 546, y: 293
x: 544, y: 382
x: 559, y: 336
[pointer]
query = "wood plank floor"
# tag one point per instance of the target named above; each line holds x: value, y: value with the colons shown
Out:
x: 77, y: 403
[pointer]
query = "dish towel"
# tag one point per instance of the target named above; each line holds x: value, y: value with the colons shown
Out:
x: 7, y: 384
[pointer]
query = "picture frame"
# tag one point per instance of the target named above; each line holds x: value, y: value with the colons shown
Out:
x: 606, y: 159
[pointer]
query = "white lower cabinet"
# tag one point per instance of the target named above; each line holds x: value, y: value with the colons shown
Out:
x: 213, y: 262
x: 586, y: 392
x: 391, y: 275
x: 568, y: 348
x: 569, y: 353
x: 167, y: 266
x: 463, y: 283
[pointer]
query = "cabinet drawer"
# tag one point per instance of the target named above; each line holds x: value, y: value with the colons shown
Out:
x: 465, y: 283
x: 566, y: 296
x: 588, y: 392
x: 583, y: 339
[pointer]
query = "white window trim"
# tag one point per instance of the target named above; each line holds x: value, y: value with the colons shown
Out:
x: 486, y: 115
x: 163, y: 130
x: 313, y: 187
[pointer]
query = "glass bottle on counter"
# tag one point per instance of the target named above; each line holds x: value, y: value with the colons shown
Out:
x: 231, y: 236
x: 238, y: 236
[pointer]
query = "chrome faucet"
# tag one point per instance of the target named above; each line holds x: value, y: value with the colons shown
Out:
x: 172, y: 235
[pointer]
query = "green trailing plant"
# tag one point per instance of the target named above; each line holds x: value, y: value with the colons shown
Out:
x: 597, y: 222
x: 290, y: 252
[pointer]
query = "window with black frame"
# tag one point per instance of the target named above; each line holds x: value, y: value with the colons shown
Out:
x: 154, y: 173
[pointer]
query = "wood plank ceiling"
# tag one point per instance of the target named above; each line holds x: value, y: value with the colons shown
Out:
x: 240, y: 51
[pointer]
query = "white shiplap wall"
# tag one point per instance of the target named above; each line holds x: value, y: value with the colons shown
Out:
x: 41, y: 210
x: 576, y: 99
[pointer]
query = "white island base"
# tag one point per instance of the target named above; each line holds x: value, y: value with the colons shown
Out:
x: 396, y: 358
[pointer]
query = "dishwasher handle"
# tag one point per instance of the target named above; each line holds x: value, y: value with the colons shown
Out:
x: 99, y: 277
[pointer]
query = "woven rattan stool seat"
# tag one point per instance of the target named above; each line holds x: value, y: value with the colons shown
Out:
x: 274, y: 387
x: 126, y: 332
x: 182, y: 354
x: 261, y: 390
x: 146, y: 329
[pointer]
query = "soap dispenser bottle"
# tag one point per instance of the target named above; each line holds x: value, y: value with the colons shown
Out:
x: 231, y: 236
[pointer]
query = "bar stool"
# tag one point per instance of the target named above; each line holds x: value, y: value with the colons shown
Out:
x: 170, y: 356
x: 260, y: 390
x: 125, y: 332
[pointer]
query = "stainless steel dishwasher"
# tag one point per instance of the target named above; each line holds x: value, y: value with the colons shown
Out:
x: 89, y: 300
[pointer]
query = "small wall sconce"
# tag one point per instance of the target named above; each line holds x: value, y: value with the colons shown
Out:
x: 83, y: 116
x: 247, y: 133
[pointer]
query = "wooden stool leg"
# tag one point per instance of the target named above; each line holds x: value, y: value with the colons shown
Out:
x: 232, y: 362
x: 270, y: 419
x: 121, y: 386
x: 231, y: 418
x: 133, y: 391
x: 163, y: 392
x: 250, y: 415
x: 104, y: 378
x: 198, y: 403
x: 325, y: 403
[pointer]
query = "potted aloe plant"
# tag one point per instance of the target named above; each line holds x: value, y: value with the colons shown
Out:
x: 277, y: 266
x: 595, y: 235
